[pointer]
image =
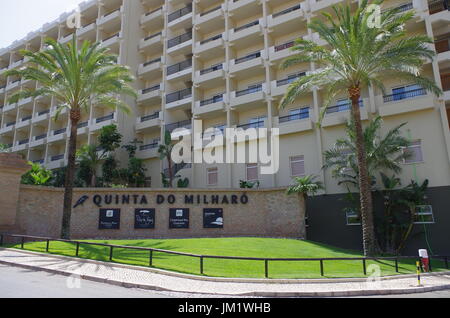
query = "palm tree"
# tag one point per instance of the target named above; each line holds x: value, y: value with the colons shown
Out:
x: 165, y: 152
x: 358, y: 56
x: 91, y: 157
x: 305, y: 186
x: 77, y: 77
x: 381, y: 152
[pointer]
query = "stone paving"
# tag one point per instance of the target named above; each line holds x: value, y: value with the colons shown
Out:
x: 138, y: 277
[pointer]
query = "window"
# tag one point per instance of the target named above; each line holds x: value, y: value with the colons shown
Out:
x: 212, y: 176
x: 252, y: 172
x: 297, y: 164
x: 424, y: 214
x: 414, y: 151
x: 353, y: 217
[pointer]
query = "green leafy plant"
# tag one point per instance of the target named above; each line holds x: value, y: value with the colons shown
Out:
x: 38, y: 175
x: 183, y: 183
x: 249, y: 184
x: 165, y: 153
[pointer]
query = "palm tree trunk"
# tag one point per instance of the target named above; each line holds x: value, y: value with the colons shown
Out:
x: 369, y: 242
x: 169, y: 160
x: 70, y: 173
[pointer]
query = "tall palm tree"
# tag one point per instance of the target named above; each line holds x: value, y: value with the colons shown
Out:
x: 165, y: 152
x: 359, y: 55
x: 381, y: 152
x: 305, y: 186
x: 77, y: 77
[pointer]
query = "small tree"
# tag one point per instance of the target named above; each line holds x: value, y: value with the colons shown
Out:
x: 165, y: 152
x: 305, y: 186
x: 38, y: 175
x: 88, y: 156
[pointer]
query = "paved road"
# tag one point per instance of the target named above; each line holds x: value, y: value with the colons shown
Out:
x: 17, y: 282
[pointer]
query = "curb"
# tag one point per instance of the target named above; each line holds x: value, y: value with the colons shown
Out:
x: 224, y: 279
x: 249, y: 294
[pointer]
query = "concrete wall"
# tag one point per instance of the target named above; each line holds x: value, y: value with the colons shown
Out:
x: 269, y: 213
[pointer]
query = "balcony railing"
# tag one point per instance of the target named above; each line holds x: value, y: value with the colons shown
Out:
x: 152, y: 62
x: 216, y: 37
x: 284, y: 46
x: 26, y: 118
x: 182, y: 124
x: 104, y: 118
x: 404, y: 7
x: 257, y: 124
x: 151, y: 89
x: 405, y: 95
x: 39, y: 161
x: 180, y: 95
x: 110, y: 13
x: 44, y: 112
x: 179, y: 13
x: 286, y: 11
x: 56, y: 158
x: 342, y: 107
x: 149, y: 146
x: 248, y: 57
x: 210, y: 11
x: 212, y: 69
x: 436, y: 6
x: 179, y: 39
x: 246, y: 26
x: 213, y: 100
x: 303, y: 114
x: 59, y: 131
x: 442, y: 45
x: 40, y: 137
x: 179, y: 67
x: 83, y: 124
x: 110, y: 37
x: 151, y: 36
x: 10, y: 124
x: 23, y: 142
x: 150, y: 117
x: 445, y: 79
x: 290, y: 79
x: 250, y: 90
x: 151, y: 12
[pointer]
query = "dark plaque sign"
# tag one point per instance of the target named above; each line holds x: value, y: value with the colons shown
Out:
x: 213, y: 218
x: 144, y: 219
x: 109, y: 219
x: 179, y: 219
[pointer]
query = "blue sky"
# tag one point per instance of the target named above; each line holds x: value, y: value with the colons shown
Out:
x: 19, y: 17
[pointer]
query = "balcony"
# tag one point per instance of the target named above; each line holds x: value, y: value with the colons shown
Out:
x: 187, y: 124
x: 153, y: 18
x: 13, y: 85
x: 41, y: 116
x: 294, y: 123
x: 211, y: 105
x: 436, y: 6
x: 38, y: 140
x: 183, y: 15
x: 250, y: 97
x: 445, y: 80
x: 148, y: 151
x: 83, y: 128
x: 280, y: 87
x: 86, y: 29
x: 150, y: 94
x: 24, y: 122
x: 148, y: 122
x: 210, y: 47
x: 247, y: 33
x: 25, y: 101
x: 150, y: 68
x: 181, y: 44
x: 406, y: 101
x: 244, y: 5
x: 56, y: 162
x: 111, y: 40
x: 152, y: 43
x: 103, y: 121
x: 109, y: 17
x: 7, y: 128
x: 210, y: 76
x: 443, y: 49
x: 9, y: 107
x: 180, y: 99
x: 247, y: 63
x: 253, y: 125
x: 205, y: 18
x: 182, y: 69
x: 339, y: 114
x: 282, y: 51
x: 57, y: 135
x: 285, y: 20
x: 21, y: 145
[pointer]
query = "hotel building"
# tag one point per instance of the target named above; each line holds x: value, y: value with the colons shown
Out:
x: 219, y: 62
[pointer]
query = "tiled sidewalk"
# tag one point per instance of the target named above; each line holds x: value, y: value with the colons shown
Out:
x: 145, y: 278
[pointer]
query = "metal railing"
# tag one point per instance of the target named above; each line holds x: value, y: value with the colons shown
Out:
x: 248, y: 57
x: 152, y: 36
x: 150, y: 89
x: 250, y: 90
x: 212, y: 69
x: 286, y: 11
x: 201, y: 258
x: 257, y: 124
x: 59, y: 131
x: 405, y: 95
x: 149, y: 146
x: 209, y: 101
x: 110, y: 13
x: 284, y: 46
x: 110, y: 37
x: 179, y: 13
x: 26, y: 118
x: 290, y: 79
x: 210, y: 11
x: 180, y: 95
x: 342, y: 107
x: 246, y: 26
x: 179, y: 67
x: 10, y: 124
x: 56, y: 158
x: 104, y: 118
x: 151, y: 12
x: 213, y: 38
x: 149, y: 117
x: 40, y: 137
x: 151, y: 62
x: 436, y: 6
x: 44, y: 112
x: 23, y: 142
x: 181, y: 124
x: 82, y: 125
x: 303, y: 114
x: 179, y: 39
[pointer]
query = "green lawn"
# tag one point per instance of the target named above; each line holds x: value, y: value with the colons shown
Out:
x: 246, y: 247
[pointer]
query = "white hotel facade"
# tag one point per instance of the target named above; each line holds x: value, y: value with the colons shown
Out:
x: 218, y: 61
